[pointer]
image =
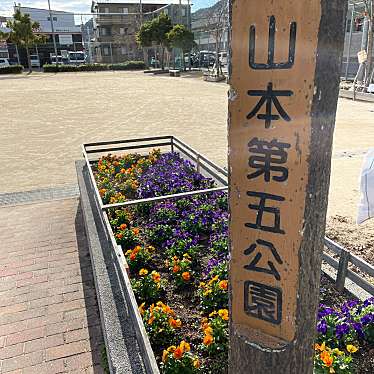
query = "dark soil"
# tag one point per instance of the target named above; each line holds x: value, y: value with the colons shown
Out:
x: 357, y: 239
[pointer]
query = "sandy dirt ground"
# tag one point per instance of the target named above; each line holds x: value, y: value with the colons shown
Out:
x: 45, y: 117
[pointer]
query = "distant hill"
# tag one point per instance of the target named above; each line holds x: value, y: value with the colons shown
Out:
x: 204, y: 12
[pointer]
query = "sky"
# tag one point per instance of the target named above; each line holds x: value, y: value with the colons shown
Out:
x: 76, y: 6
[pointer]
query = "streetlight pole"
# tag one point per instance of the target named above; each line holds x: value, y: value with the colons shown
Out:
x: 53, y: 32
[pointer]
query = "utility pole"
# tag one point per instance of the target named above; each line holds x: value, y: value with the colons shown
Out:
x: 350, y: 42
x: 284, y: 84
x: 53, y: 32
x: 145, y: 55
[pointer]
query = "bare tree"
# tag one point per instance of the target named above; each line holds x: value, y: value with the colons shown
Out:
x: 366, y: 69
x: 370, y: 17
x: 216, y: 25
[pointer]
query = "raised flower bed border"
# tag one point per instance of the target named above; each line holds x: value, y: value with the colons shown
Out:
x: 91, y: 153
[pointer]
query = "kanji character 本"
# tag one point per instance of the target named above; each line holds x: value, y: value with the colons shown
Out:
x: 253, y: 265
x: 268, y: 156
x: 269, y: 97
x: 262, y: 208
x: 263, y: 302
x: 271, y: 48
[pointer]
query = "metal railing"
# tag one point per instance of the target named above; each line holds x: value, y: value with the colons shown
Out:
x: 341, y: 265
x: 202, y: 164
x: 220, y: 175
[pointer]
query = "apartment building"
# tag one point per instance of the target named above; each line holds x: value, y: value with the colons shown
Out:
x: 117, y: 22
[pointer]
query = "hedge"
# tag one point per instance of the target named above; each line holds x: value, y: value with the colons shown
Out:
x: 12, y: 69
x: 129, y: 65
x: 92, y: 67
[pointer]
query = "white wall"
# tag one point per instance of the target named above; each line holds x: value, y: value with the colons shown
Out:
x: 64, y: 21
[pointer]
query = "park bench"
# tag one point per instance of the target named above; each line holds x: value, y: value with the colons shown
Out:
x: 175, y: 73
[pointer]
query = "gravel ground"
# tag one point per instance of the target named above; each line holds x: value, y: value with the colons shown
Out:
x: 45, y: 118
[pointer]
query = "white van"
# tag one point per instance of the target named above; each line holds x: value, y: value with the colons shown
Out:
x: 223, y: 58
x: 35, y: 62
x: 77, y: 58
x: 4, y: 62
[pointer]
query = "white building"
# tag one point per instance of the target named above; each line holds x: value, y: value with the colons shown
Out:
x: 63, y: 23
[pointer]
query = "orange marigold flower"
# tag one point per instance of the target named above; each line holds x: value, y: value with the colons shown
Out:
x: 186, y: 276
x: 223, y: 285
x: 178, y: 353
x: 321, y: 347
x: 123, y: 171
x: 224, y: 314
x: 326, y: 358
x: 172, y: 348
x: 141, y: 308
x: 133, y: 256
x: 123, y: 226
x: 137, y: 249
x: 208, y: 340
x: 150, y: 321
x: 185, y: 346
x: 143, y: 272
x: 328, y: 361
x: 156, y: 276
x: 164, y: 355
x: 102, y: 192
x: 135, y: 231
x: 196, y: 363
x: 208, y: 330
x: 176, y: 268
x: 175, y: 323
x: 119, y: 235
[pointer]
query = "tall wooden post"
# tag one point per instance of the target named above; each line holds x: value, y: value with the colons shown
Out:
x: 284, y: 77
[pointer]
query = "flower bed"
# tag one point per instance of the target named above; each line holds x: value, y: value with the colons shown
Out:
x: 177, y: 253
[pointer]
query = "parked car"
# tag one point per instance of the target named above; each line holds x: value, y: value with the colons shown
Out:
x: 4, y: 62
x: 35, y: 62
x: 61, y: 60
x: 77, y: 58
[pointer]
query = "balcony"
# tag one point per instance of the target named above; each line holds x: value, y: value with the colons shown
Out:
x: 117, y: 19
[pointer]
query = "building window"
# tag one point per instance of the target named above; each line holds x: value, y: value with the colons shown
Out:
x: 103, y: 31
x: 123, y: 50
x: 125, y: 10
x: 106, y: 51
x: 166, y: 11
x: 106, y: 10
x: 54, y: 18
x: 183, y: 12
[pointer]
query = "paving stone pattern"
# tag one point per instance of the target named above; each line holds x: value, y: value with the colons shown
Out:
x: 49, y: 321
x: 26, y: 197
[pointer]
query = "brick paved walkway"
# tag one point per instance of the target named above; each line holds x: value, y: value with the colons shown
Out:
x: 49, y: 320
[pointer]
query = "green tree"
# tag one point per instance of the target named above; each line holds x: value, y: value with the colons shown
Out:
x: 23, y: 32
x: 155, y: 31
x: 180, y: 37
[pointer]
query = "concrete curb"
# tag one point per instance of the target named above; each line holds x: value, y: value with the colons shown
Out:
x: 360, y: 96
x: 123, y: 351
